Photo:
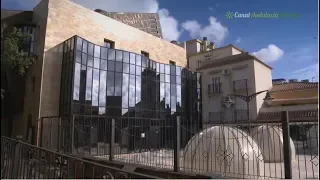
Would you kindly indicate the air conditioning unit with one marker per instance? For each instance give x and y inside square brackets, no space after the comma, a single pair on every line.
[226,72]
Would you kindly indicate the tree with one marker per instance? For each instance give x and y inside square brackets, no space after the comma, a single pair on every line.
[14,64]
[13,58]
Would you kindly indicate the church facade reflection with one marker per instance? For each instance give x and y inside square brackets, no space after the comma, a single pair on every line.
[143,96]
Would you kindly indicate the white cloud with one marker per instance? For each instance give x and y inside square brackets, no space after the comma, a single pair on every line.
[169,25]
[309,72]
[270,54]
[238,40]
[211,8]
[215,31]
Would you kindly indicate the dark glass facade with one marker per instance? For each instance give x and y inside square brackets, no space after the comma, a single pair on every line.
[143,96]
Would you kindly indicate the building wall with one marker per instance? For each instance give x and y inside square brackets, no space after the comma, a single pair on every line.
[238,71]
[193,46]
[206,57]
[147,22]
[32,98]
[263,81]
[66,19]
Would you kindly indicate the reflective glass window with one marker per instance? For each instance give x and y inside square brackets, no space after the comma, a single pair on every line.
[179,95]
[173,99]
[161,68]
[178,71]
[138,60]
[95,87]
[162,92]
[132,94]
[90,61]
[78,57]
[102,88]
[104,64]
[118,83]
[111,65]
[97,51]
[158,67]
[178,79]
[111,54]
[167,78]
[85,46]
[144,61]
[126,68]
[96,62]
[119,55]
[90,49]
[84,59]
[125,90]
[162,78]
[79,44]
[104,53]
[167,69]
[132,69]
[132,58]
[89,83]
[76,81]
[110,84]
[138,89]
[138,70]
[119,66]
[126,57]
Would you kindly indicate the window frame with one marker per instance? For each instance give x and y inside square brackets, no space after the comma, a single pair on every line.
[112,43]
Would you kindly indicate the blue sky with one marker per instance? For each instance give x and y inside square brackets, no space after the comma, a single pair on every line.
[290,44]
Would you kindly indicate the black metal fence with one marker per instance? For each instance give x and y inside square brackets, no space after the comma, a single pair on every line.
[218,149]
[20,160]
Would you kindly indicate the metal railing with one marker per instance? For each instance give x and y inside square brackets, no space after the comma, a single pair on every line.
[214,88]
[224,149]
[20,160]
[240,85]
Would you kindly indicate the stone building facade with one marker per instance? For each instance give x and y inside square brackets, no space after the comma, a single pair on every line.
[55,22]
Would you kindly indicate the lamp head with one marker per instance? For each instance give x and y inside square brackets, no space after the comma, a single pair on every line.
[268,99]
[228,102]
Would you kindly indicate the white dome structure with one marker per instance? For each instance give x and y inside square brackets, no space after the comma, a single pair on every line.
[270,141]
[312,138]
[225,150]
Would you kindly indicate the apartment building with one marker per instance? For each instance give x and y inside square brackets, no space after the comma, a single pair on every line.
[228,75]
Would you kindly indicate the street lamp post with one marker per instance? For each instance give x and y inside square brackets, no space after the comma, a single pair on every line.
[268,99]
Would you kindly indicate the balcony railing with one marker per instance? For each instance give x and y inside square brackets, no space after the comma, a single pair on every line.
[240,85]
[215,117]
[214,88]
[240,115]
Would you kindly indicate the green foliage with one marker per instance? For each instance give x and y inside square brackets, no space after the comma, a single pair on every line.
[12,56]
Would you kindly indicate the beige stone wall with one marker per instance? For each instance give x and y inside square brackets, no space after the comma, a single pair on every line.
[263,81]
[51,76]
[206,57]
[212,103]
[66,19]
[32,99]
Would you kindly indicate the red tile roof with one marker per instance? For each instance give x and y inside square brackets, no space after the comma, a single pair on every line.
[304,115]
[293,86]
